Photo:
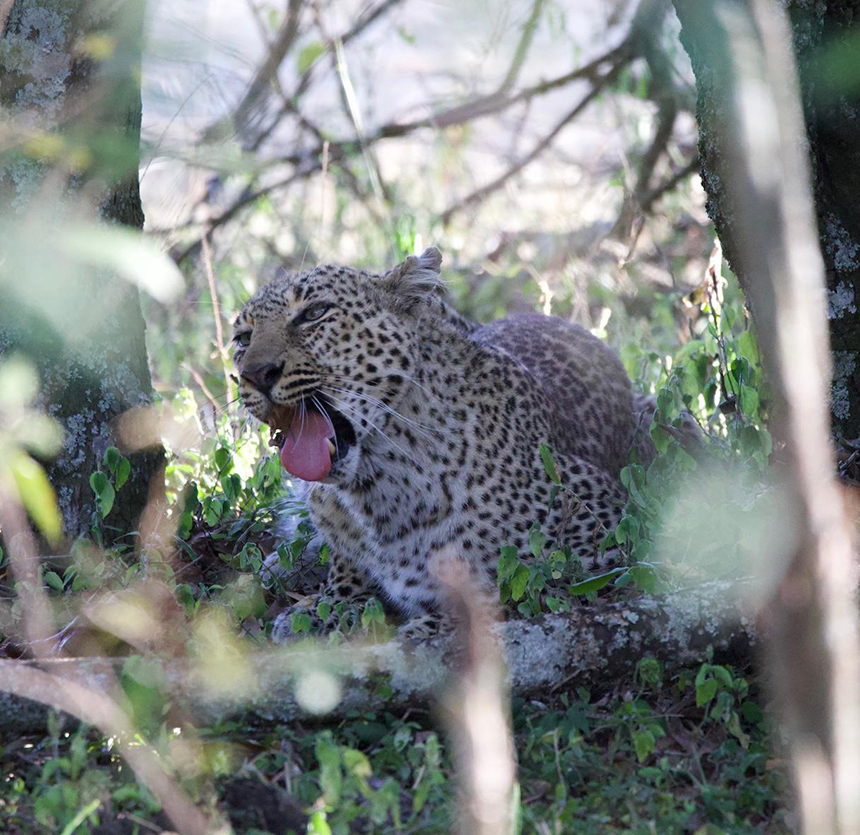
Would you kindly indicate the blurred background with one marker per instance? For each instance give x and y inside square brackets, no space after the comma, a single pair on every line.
[547,148]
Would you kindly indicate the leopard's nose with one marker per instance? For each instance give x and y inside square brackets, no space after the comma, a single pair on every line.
[263,376]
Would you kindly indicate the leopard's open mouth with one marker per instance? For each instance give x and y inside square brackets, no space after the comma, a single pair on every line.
[312,437]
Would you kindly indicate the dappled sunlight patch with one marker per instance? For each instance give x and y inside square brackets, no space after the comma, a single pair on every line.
[317,691]
[720,524]
[221,661]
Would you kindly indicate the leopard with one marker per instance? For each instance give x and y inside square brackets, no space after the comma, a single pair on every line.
[419,435]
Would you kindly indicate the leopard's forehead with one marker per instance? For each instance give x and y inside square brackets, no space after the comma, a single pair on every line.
[327,282]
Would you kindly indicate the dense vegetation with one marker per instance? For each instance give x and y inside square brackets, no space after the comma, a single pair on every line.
[693,751]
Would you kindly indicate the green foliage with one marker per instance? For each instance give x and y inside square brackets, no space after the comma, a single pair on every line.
[27,434]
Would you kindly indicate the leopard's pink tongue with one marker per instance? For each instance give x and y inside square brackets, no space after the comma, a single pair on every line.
[305,453]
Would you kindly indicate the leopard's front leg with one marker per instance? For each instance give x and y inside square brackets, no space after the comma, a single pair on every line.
[346,591]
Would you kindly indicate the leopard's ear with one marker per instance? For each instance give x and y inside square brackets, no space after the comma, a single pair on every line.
[418,279]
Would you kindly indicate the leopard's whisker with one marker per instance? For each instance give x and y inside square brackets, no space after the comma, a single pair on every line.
[419,427]
[339,404]
[325,414]
[302,413]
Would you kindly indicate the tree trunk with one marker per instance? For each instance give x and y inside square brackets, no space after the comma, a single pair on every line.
[70,93]
[826,43]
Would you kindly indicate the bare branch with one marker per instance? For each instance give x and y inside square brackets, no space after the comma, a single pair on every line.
[263,77]
[484,191]
[496,102]
[23,557]
[671,183]
[289,101]
[522,47]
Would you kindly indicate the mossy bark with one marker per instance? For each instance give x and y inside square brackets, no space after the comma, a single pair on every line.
[70,85]
[826,39]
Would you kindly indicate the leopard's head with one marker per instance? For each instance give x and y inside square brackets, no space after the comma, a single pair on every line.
[324,356]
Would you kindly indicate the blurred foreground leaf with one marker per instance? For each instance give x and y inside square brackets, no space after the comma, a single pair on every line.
[36,494]
[128,254]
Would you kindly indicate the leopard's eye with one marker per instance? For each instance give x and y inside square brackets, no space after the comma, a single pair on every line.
[312,313]
[243,339]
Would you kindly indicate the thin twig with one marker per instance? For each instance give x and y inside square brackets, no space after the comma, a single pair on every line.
[494,103]
[671,183]
[523,46]
[39,627]
[263,77]
[289,101]
[5,11]
[216,312]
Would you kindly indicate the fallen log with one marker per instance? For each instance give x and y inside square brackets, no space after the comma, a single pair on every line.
[592,645]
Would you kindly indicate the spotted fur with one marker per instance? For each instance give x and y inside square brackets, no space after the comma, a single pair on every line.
[448,417]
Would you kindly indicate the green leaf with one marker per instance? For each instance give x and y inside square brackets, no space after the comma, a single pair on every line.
[627,530]
[186,523]
[406,35]
[519,582]
[748,346]
[357,763]
[317,824]
[749,401]
[308,56]
[37,495]
[549,463]
[105,494]
[644,577]
[323,609]
[722,675]
[112,457]
[126,253]
[734,728]
[328,756]
[300,622]
[508,562]
[705,692]
[54,580]
[372,613]
[19,382]
[537,540]
[40,434]
[650,671]
[99,482]
[221,457]
[595,583]
[644,743]
[123,471]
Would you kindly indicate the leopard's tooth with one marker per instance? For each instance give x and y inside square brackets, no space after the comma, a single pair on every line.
[332,448]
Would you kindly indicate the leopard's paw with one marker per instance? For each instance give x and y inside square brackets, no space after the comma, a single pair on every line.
[423,627]
[310,616]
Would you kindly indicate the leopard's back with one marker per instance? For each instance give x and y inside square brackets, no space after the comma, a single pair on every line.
[589,392]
